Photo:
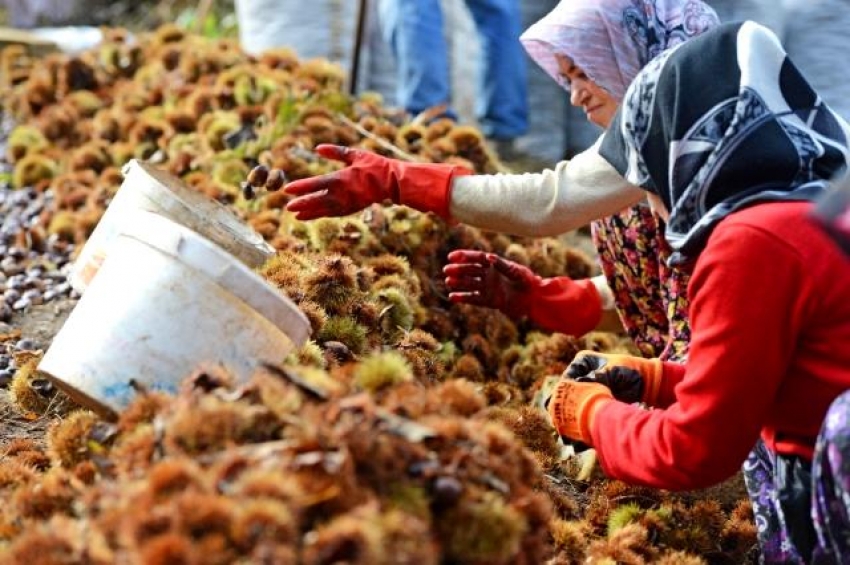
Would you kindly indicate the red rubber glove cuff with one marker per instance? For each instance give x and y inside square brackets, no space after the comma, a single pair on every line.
[653,376]
[369,178]
[561,304]
[426,187]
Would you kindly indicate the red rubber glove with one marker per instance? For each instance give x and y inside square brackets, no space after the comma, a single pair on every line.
[558,304]
[631,379]
[573,407]
[370,178]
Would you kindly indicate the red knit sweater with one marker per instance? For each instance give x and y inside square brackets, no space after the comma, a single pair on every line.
[770,350]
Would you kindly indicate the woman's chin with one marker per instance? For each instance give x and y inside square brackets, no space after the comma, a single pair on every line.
[597,117]
[594,119]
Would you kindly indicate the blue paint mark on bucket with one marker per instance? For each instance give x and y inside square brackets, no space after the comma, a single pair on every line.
[123,393]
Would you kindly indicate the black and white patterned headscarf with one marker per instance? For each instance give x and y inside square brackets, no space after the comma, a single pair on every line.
[722,122]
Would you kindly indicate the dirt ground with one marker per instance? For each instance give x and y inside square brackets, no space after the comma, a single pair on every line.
[40,323]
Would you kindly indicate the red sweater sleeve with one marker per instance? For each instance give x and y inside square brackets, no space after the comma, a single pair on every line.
[561,304]
[746,309]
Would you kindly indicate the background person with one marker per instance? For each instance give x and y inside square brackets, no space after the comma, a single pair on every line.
[593,49]
[414,30]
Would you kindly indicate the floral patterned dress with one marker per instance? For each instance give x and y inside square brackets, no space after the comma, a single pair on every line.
[650,297]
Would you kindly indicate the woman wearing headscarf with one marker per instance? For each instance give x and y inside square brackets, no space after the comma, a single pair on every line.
[593,48]
[732,145]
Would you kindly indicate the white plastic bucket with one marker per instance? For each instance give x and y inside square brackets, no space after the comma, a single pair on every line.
[147,188]
[167,301]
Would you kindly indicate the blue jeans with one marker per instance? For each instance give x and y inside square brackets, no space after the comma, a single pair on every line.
[414,30]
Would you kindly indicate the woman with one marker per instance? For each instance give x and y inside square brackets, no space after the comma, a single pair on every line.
[732,145]
[593,48]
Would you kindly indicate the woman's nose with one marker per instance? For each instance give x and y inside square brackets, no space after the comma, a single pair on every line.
[578,93]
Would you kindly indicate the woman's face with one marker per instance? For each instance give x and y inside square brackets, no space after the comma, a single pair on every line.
[598,105]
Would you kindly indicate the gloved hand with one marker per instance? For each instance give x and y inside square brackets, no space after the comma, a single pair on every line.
[573,406]
[555,304]
[631,379]
[370,178]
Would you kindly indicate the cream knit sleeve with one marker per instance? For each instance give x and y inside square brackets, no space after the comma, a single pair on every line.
[549,203]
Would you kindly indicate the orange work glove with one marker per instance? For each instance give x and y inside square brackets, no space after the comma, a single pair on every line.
[573,406]
[370,178]
[557,304]
[631,379]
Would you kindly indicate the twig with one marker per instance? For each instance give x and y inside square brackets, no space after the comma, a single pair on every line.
[358,46]
[312,390]
[403,155]
[201,14]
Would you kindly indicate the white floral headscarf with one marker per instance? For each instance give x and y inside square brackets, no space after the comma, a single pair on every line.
[611,40]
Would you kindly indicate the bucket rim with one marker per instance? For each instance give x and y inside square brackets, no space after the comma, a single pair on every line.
[205,256]
[247,240]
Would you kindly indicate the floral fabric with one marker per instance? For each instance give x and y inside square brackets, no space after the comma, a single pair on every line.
[829,492]
[831,483]
[774,533]
[651,297]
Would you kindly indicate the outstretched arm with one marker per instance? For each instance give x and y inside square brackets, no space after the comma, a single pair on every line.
[549,203]
[560,304]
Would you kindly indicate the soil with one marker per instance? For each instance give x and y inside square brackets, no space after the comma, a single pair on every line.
[39,323]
